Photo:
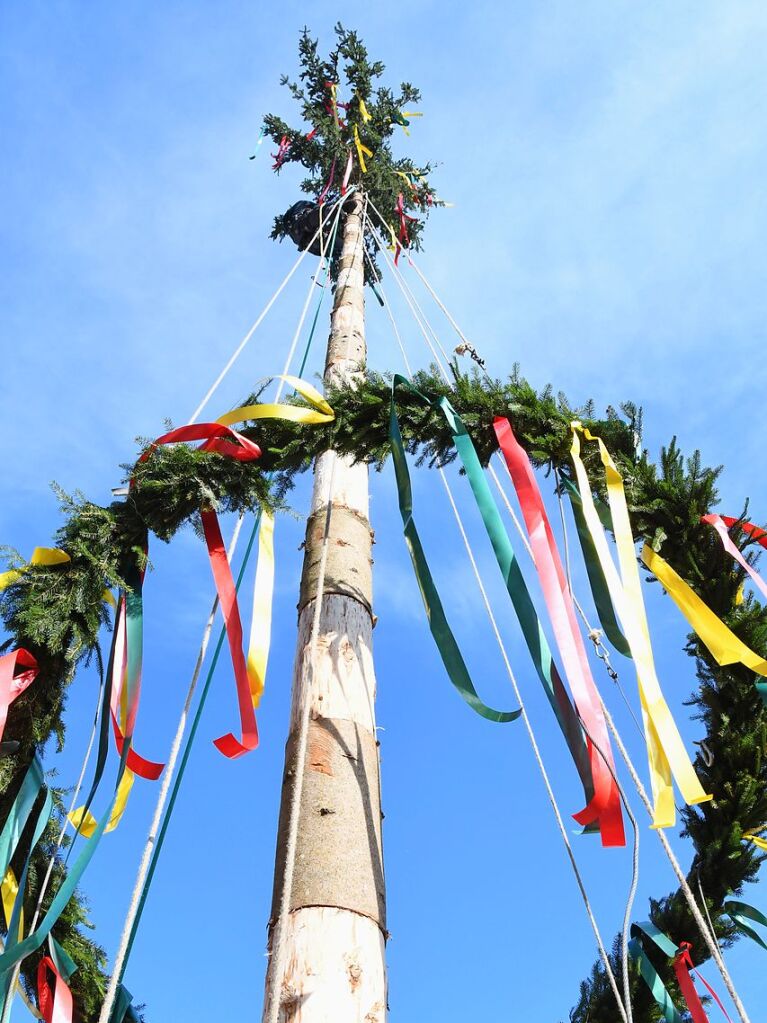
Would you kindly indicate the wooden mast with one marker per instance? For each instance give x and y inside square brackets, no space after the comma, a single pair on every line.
[332,963]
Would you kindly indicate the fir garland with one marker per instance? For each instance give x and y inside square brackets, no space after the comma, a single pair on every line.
[58,612]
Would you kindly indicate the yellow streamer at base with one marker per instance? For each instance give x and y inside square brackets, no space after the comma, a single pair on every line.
[666,753]
[721,642]
[40,556]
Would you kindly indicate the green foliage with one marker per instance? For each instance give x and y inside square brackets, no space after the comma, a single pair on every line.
[57,612]
[327,136]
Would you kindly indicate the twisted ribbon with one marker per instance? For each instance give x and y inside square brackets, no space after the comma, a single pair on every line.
[404,237]
[440,629]
[720,524]
[683,965]
[362,150]
[723,645]
[666,753]
[605,806]
[282,152]
[740,913]
[18,670]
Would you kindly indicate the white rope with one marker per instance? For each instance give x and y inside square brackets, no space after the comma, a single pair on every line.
[238,350]
[182,723]
[273,998]
[626,1016]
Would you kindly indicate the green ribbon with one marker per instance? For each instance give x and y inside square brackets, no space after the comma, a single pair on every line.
[12,939]
[438,624]
[19,814]
[739,913]
[648,972]
[33,941]
[123,1009]
[515,584]
[597,581]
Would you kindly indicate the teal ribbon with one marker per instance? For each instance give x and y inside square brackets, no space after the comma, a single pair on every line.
[597,581]
[33,941]
[517,588]
[438,624]
[12,940]
[648,972]
[122,1009]
[740,913]
[19,814]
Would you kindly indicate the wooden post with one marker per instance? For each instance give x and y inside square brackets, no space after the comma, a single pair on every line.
[333,966]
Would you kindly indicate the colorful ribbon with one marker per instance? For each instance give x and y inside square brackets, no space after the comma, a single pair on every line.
[723,645]
[282,152]
[329,183]
[559,603]
[13,682]
[347,173]
[56,1004]
[683,965]
[40,556]
[666,753]
[740,913]
[760,843]
[9,890]
[647,971]
[362,150]
[364,113]
[597,581]
[440,629]
[261,619]
[320,411]
[720,524]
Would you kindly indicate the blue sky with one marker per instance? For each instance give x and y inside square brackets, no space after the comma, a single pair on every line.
[607,165]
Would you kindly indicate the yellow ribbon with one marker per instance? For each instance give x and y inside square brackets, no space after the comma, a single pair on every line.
[760,843]
[88,823]
[364,112]
[362,150]
[261,620]
[723,645]
[666,752]
[9,890]
[40,556]
[320,412]
[263,589]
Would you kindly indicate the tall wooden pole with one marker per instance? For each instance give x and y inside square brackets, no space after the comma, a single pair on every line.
[332,962]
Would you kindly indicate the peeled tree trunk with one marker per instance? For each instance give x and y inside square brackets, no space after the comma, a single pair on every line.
[333,967]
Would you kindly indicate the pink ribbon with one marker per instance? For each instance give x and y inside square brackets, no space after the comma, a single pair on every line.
[605,805]
[12,681]
[720,524]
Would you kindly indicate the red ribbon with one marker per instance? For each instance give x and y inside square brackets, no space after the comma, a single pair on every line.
[231,444]
[748,527]
[12,681]
[55,1004]
[228,744]
[404,237]
[328,186]
[682,966]
[605,805]
[148,769]
[281,154]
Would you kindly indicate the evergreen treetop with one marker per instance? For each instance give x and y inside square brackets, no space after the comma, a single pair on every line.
[350,121]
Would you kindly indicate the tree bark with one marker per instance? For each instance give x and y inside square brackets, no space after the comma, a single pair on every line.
[334,937]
